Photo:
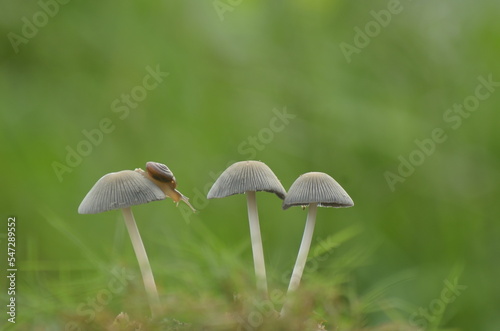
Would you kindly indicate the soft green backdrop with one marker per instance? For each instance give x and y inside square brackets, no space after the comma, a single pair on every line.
[230,69]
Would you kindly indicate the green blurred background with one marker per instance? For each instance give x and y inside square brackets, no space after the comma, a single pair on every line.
[232,66]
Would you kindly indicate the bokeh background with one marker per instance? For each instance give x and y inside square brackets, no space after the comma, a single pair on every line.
[232,67]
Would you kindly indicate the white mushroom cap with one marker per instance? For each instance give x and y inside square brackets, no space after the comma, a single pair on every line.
[317,187]
[120,190]
[246,176]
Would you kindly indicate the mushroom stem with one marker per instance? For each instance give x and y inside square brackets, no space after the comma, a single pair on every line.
[303,252]
[257,250]
[142,258]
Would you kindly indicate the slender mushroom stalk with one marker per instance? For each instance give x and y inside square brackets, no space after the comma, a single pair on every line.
[142,258]
[257,249]
[249,177]
[312,189]
[304,248]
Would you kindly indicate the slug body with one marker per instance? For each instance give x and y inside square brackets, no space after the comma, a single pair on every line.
[161,175]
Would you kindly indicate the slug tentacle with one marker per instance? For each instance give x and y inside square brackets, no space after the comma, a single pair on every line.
[185,199]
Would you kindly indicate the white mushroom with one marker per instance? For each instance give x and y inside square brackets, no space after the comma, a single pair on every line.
[249,177]
[312,189]
[121,190]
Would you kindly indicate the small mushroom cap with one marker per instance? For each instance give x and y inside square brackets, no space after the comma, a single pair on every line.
[317,187]
[120,190]
[246,176]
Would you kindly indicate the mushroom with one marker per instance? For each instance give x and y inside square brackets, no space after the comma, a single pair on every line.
[249,177]
[123,189]
[312,189]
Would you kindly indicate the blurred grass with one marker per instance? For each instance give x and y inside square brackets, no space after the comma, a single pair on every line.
[352,121]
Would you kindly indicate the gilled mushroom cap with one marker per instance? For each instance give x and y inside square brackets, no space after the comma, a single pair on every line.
[317,187]
[246,176]
[120,190]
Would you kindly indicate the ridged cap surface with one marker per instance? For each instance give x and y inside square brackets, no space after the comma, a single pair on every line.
[120,190]
[246,176]
[317,187]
